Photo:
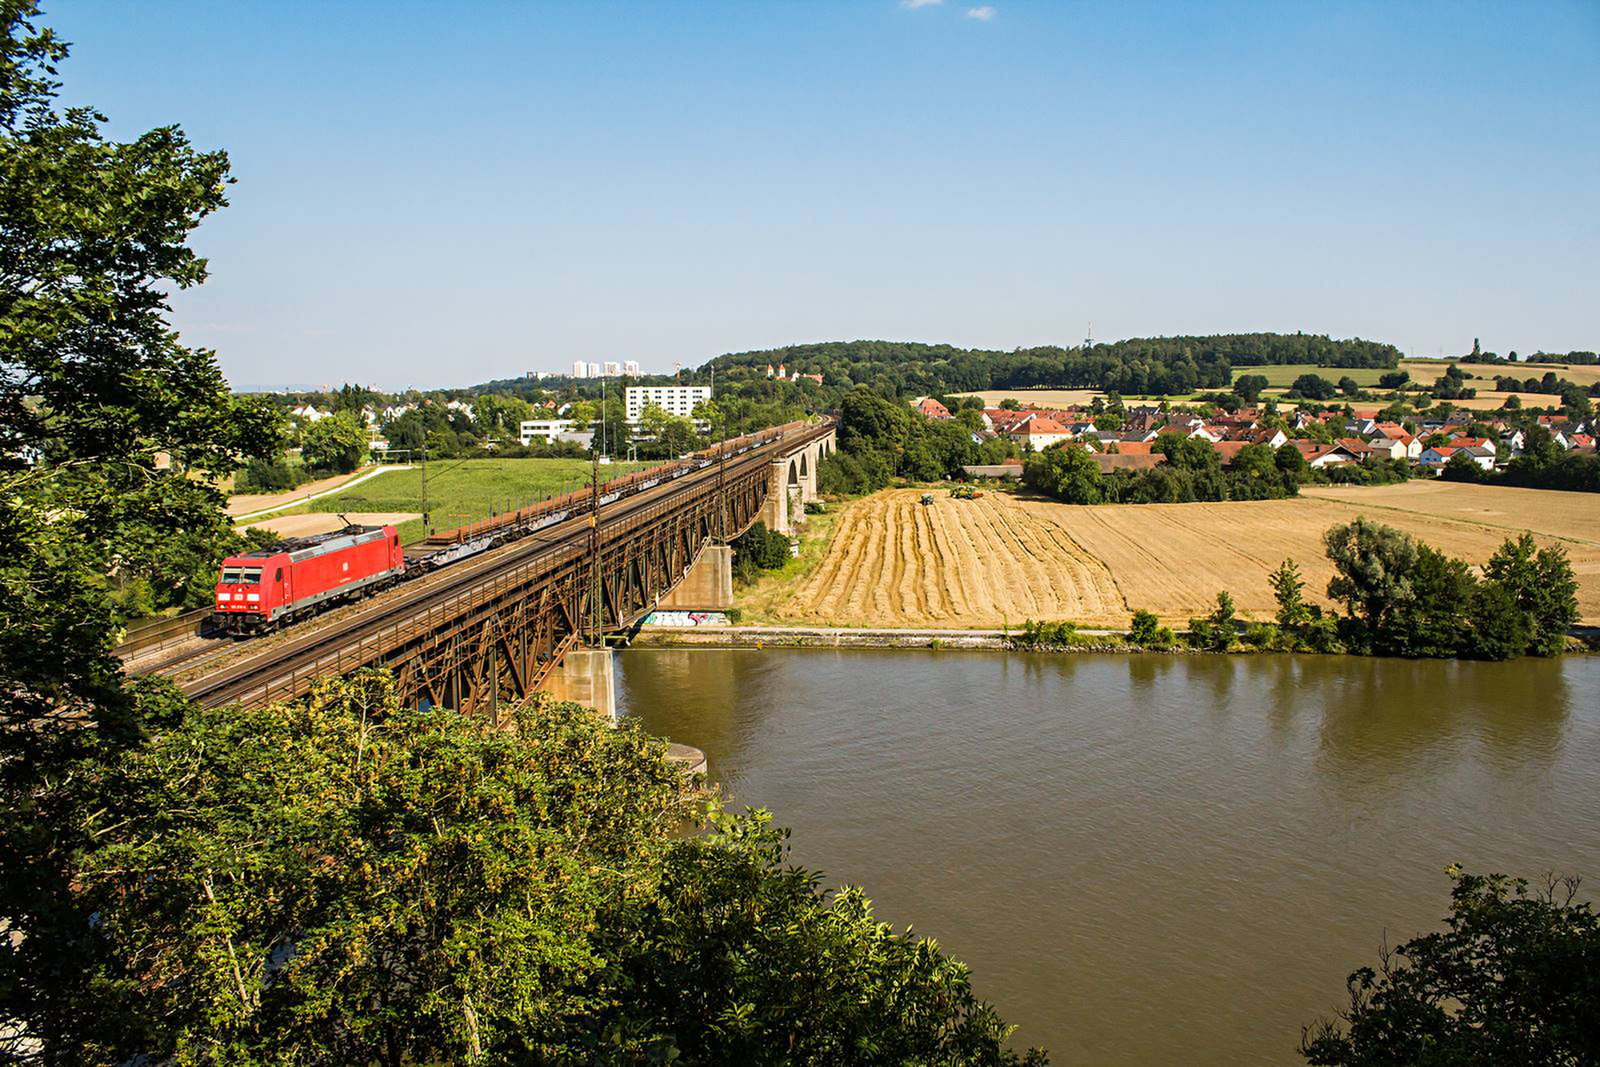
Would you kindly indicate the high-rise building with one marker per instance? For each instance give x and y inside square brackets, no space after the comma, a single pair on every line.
[580,369]
[594,371]
[630,367]
[673,399]
[613,368]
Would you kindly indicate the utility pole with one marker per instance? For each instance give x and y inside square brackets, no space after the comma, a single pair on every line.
[427,519]
[594,544]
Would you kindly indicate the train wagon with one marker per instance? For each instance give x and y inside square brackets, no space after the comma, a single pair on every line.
[259,591]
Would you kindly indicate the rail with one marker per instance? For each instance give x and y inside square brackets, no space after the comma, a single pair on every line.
[290,669]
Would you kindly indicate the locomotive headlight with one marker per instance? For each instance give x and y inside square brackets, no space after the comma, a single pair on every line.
[222,598]
[252,596]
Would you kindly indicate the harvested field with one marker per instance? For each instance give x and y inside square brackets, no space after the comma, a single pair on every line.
[1490,400]
[1426,370]
[954,563]
[1042,398]
[1006,558]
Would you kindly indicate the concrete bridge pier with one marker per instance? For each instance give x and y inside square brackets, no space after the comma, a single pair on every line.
[776,512]
[586,676]
[708,586]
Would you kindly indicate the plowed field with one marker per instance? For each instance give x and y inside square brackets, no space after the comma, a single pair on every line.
[977,563]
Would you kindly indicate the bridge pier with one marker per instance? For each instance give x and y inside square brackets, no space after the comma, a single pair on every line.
[586,676]
[709,584]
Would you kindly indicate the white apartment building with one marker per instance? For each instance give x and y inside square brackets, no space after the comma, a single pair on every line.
[677,400]
[580,369]
[549,429]
[594,370]
[612,369]
[630,367]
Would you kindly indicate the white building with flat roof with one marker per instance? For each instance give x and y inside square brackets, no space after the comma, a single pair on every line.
[613,369]
[630,367]
[580,369]
[549,429]
[677,400]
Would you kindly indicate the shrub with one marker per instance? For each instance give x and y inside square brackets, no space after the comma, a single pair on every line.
[1261,635]
[1144,628]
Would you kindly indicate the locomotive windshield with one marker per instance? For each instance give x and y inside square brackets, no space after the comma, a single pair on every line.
[251,576]
[241,576]
[230,576]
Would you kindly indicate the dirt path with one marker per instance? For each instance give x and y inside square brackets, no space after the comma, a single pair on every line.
[254,505]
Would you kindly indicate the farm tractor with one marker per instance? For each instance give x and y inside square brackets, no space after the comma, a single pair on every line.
[965,492]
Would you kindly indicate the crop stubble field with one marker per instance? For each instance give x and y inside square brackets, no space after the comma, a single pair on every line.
[1005,558]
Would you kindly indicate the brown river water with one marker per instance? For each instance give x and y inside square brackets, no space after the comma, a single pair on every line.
[1148,859]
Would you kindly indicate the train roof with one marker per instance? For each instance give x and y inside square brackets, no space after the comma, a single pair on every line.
[300,548]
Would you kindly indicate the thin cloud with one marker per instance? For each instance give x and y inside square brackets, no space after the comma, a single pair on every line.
[982,14]
[914,4]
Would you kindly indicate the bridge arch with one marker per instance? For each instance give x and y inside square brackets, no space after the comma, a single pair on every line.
[803,469]
[794,473]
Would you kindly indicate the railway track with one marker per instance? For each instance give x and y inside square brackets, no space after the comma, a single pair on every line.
[312,649]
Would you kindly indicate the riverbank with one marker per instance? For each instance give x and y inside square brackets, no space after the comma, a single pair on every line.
[1086,640]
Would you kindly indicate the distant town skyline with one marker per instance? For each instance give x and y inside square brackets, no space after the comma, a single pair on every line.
[435,201]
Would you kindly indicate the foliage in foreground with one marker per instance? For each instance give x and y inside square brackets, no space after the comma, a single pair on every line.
[1513,978]
[347,880]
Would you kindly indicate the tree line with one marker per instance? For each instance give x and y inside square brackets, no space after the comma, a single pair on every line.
[1137,366]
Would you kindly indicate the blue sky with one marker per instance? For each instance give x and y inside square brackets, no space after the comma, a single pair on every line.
[437,194]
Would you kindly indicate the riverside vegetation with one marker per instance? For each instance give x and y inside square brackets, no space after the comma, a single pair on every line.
[1402,598]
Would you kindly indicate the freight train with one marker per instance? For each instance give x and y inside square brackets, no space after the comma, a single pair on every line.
[263,590]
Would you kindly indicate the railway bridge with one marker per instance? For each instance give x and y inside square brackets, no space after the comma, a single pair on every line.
[529,614]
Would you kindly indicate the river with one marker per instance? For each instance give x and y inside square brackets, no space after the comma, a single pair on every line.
[1148,859]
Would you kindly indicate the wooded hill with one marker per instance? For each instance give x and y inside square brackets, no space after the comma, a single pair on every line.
[1171,365]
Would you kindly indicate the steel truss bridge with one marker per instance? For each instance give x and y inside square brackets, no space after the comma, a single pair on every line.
[494,627]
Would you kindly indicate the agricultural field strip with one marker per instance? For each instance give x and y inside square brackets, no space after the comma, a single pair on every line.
[894,562]
[895,559]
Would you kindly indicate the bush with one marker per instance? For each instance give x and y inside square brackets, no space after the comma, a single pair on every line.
[759,549]
[262,476]
[1144,628]
[1321,634]
[1045,635]
[1261,635]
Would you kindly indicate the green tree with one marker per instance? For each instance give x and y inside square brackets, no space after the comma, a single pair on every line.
[1373,565]
[1500,627]
[1288,589]
[1509,980]
[336,443]
[1248,387]
[1541,584]
[112,434]
[419,886]
[1431,621]
[1313,387]
[1292,463]
[1066,472]
[1143,628]
[1349,386]
[499,416]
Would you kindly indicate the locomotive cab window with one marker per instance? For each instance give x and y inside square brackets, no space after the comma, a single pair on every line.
[230,576]
[252,576]
[279,576]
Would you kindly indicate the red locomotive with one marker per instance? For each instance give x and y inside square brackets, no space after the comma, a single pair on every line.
[258,591]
